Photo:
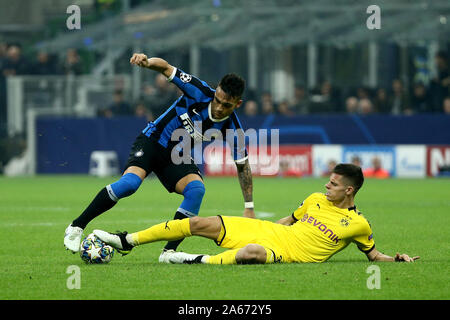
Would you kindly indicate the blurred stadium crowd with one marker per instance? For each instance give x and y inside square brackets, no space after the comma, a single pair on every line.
[327,98]
[398,93]
[332,98]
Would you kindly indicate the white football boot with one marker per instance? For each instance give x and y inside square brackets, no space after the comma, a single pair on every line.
[72,238]
[164,256]
[187,258]
[116,240]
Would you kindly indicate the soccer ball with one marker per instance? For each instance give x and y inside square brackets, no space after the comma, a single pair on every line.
[94,250]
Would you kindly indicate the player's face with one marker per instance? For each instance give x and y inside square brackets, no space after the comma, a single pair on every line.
[223,105]
[337,188]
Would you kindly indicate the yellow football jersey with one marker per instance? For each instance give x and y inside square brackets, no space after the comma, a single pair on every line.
[322,229]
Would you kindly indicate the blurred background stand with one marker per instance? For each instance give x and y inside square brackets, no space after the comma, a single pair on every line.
[104,163]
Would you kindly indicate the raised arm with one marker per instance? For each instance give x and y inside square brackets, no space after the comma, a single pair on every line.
[246,182]
[375,255]
[156,64]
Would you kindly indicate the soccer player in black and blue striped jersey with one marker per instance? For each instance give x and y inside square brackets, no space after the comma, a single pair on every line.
[198,110]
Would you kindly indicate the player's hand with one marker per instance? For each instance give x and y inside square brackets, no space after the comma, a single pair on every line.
[249,213]
[140,60]
[405,258]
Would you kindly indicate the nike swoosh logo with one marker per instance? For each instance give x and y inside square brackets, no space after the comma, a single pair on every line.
[194,111]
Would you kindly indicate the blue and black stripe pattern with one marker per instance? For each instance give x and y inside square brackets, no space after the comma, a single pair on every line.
[191,111]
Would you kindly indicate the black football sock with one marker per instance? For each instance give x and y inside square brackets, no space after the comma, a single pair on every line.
[101,203]
[173,245]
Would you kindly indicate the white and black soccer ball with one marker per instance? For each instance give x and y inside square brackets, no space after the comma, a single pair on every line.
[95,251]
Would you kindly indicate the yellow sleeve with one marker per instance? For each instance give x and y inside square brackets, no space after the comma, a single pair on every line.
[301,210]
[364,237]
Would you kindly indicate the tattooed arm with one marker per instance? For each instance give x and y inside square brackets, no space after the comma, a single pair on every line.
[245,180]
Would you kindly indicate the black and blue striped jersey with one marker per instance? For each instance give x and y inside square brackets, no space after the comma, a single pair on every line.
[192,112]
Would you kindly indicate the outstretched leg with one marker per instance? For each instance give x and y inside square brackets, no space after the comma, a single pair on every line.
[104,201]
[250,254]
[208,227]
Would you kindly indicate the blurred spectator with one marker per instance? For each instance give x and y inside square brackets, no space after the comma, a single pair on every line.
[72,63]
[250,94]
[267,105]
[44,64]
[148,90]
[442,63]
[351,105]
[11,147]
[107,8]
[285,109]
[440,85]
[419,99]
[365,106]
[330,166]
[362,93]
[399,100]
[376,171]
[3,50]
[251,108]
[356,160]
[381,102]
[141,111]
[324,100]
[288,169]
[118,108]
[300,104]
[14,64]
[446,105]
[160,96]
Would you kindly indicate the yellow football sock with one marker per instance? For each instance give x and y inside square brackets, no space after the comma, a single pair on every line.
[227,257]
[270,256]
[166,231]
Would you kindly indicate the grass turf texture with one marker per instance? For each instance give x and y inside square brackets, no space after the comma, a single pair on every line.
[407,216]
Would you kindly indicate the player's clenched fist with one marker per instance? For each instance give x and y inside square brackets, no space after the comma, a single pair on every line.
[139,59]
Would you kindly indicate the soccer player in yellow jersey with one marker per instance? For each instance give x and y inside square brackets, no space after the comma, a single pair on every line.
[321,226]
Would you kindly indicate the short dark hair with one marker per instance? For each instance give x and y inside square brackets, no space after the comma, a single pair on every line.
[352,173]
[233,85]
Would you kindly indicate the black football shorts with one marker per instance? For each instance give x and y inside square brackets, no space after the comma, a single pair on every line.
[148,154]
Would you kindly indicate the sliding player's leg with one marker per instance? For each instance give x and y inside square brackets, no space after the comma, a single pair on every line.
[249,240]
[250,254]
[208,227]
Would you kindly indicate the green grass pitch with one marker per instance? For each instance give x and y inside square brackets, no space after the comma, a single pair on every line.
[407,216]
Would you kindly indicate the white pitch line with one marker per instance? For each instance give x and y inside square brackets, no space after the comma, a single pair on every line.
[262,214]
[65,223]
[259,214]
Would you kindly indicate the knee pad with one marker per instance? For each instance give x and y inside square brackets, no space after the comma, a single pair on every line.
[193,195]
[126,186]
